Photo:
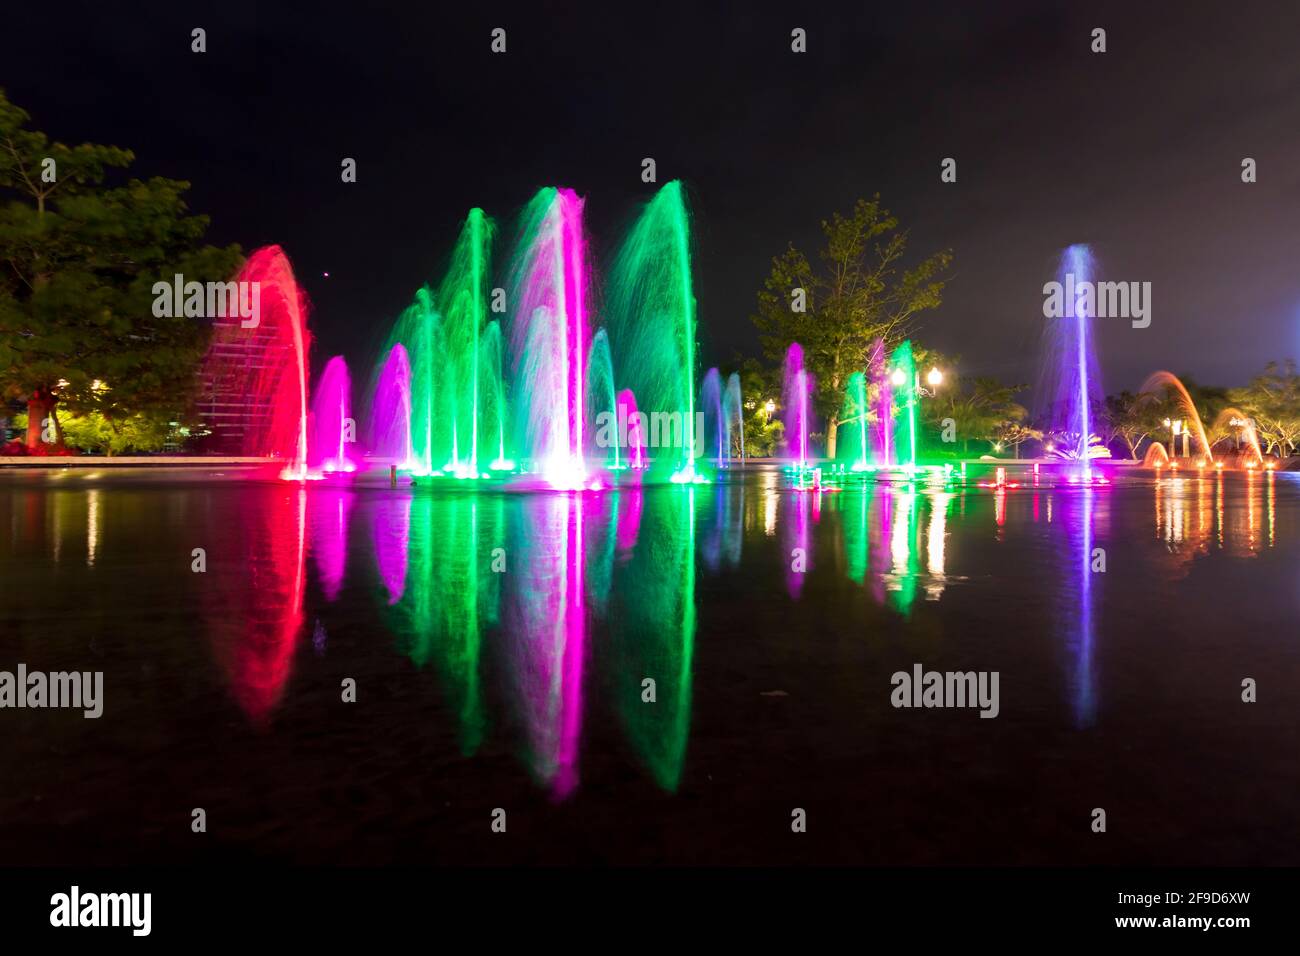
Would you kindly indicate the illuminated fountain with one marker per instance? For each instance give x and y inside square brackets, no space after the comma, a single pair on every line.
[733,416]
[332,427]
[451,393]
[1161,384]
[796,401]
[1229,423]
[265,363]
[390,409]
[903,384]
[635,434]
[549,338]
[1070,384]
[650,304]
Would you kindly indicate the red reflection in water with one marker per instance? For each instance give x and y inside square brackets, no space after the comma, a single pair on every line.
[255,607]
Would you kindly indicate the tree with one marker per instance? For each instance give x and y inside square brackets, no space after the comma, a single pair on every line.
[982,409]
[763,426]
[1131,418]
[857,293]
[79,260]
[1273,401]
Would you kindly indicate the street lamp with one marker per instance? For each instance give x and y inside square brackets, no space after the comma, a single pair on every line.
[935,378]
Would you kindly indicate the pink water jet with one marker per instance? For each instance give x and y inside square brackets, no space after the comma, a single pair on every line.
[333,430]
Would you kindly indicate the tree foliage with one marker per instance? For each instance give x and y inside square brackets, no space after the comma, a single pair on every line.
[78,260]
[858,290]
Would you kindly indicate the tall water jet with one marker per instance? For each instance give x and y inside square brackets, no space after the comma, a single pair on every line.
[903,385]
[264,365]
[651,317]
[796,399]
[882,432]
[462,303]
[331,418]
[1070,383]
[549,336]
[390,409]
[601,401]
[733,413]
[627,412]
[492,396]
[715,425]
[854,447]
[418,332]
[445,335]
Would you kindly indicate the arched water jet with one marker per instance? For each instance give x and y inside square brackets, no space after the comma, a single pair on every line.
[651,310]
[1171,384]
[548,339]
[390,409]
[265,365]
[331,418]
[601,403]
[733,413]
[1233,421]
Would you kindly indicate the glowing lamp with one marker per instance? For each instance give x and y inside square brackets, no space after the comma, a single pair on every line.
[770,407]
[935,377]
[1218,464]
[897,378]
[1270,465]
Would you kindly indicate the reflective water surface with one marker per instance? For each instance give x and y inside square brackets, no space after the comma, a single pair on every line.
[657,675]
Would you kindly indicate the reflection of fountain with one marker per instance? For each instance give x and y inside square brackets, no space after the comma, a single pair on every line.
[546,619]
[652,630]
[327,513]
[1079,638]
[255,608]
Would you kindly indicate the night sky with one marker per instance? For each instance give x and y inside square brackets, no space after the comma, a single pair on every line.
[1137,151]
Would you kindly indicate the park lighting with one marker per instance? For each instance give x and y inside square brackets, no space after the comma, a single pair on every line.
[769,407]
[934,378]
[898,378]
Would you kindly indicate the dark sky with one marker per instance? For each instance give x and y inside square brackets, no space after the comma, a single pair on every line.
[1136,151]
